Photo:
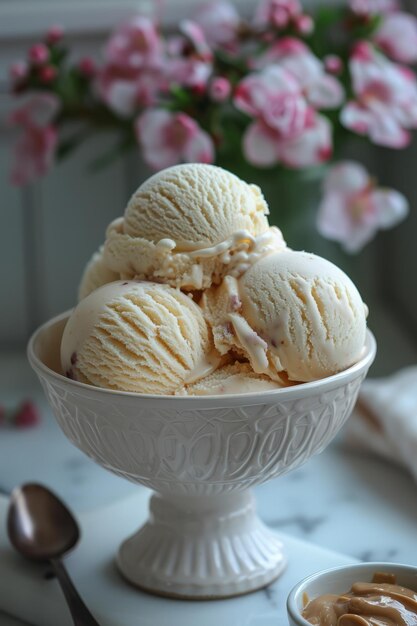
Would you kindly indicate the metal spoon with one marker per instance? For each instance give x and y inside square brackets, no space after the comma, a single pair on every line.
[41,528]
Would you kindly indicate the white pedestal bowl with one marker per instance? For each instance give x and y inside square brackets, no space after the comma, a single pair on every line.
[201,455]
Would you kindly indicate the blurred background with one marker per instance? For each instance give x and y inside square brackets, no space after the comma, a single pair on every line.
[49,228]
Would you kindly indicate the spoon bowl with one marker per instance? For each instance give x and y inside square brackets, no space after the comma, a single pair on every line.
[39,524]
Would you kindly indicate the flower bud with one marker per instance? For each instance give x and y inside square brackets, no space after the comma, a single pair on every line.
[54,34]
[87,67]
[304,24]
[220,89]
[47,74]
[38,54]
[333,64]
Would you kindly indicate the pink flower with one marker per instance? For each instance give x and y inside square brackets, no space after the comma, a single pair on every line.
[133,74]
[35,147]
[353,209]
[286,128]
[220,89]
[277,13]
[170,138]
[38,54]
[125,92]
[321,90]
[371,7]
[220,22]
[275,97]
[263,146]
[136,44]
[386,98]
[397,36]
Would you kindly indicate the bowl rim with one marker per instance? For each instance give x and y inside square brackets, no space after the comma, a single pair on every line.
[302,585]
[301,390]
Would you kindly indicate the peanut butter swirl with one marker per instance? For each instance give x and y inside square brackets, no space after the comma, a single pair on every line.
[378,603]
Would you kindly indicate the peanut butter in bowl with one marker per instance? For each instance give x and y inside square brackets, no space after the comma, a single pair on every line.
[378,603]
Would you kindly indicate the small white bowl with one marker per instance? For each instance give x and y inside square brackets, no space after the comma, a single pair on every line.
[340,579]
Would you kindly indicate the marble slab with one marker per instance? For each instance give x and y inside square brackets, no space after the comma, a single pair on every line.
[26,593]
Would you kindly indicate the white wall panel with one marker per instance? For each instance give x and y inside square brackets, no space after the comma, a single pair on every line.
[77,205]
[13,305]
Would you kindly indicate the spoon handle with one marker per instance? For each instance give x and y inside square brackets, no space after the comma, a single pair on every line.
[80,614]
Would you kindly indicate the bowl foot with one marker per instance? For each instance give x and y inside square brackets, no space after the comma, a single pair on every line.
[202,547]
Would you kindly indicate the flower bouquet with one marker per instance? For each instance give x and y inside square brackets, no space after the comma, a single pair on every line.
[272,96]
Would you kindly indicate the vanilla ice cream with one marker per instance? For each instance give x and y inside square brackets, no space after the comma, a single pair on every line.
[188,226]
[137,336]
[293,315]
[234,378]
[95,275]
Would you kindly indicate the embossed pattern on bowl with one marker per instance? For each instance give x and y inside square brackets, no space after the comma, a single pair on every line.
[196,445]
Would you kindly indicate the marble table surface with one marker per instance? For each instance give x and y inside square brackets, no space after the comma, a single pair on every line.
[341,500]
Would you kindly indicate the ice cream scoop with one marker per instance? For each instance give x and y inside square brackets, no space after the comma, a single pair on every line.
[95,275]
[293,315]
[137,336]
[196,205]
[188,226]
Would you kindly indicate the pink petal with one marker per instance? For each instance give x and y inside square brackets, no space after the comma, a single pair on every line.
[356,118]
[151,127]
[245,95]
[195,34]
[333,221]
[384,130]
[397,36]
[392,207]
[311,147]
[346,178]
[163,157]
[286,113]
[220,22]
[255,92]
[303,65]
[370,7]
[260,145]
[325,93]
[199,149]
[380,124]
[121,97]
[359,237]
[33,154]
[152,133]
